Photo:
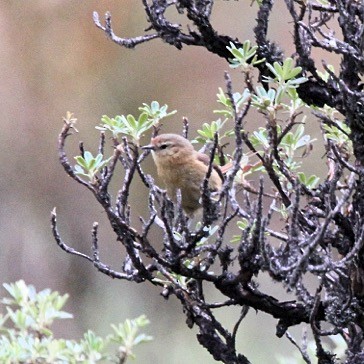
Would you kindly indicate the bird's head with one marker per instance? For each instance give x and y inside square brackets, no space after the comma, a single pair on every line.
[169,145]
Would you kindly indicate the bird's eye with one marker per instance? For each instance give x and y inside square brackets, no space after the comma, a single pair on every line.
[163,146]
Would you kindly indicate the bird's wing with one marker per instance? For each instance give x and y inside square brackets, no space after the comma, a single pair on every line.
[206,160]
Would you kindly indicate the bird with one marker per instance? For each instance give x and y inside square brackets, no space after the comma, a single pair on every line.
[181,167]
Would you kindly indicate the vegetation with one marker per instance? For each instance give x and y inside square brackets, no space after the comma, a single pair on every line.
[27,338]
[293,225]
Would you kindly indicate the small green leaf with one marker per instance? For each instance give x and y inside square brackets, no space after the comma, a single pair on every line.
[88,157]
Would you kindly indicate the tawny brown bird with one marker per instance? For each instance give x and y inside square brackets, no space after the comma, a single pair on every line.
[181,167]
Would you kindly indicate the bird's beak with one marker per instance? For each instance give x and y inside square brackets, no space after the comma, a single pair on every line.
[148,147]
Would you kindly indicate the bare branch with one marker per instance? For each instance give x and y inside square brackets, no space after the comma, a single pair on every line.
[125,42]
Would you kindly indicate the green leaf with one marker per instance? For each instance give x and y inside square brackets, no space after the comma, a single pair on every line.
[89,166]
[244,57]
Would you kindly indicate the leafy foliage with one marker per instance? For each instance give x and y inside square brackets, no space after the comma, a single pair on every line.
[88,165]
[135,127]
[244,57]
[27,336]
[239,99]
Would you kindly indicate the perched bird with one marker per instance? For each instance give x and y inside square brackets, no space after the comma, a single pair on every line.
[182,168]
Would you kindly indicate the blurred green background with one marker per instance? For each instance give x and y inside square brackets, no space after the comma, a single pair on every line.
[54,60]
